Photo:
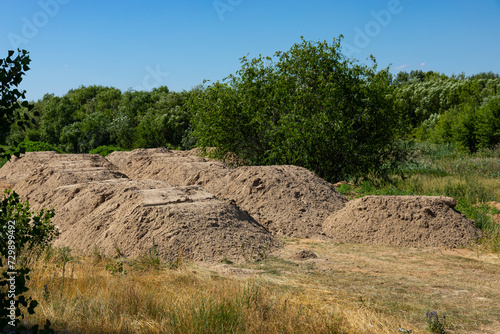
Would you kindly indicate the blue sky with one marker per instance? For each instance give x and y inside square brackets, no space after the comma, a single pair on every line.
[145,44]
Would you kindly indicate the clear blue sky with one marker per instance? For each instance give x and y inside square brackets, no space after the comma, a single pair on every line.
[145,44]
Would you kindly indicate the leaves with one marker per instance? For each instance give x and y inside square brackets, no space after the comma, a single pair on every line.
[309,106]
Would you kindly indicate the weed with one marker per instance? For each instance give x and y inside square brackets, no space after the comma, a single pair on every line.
[150,260]
[173,261]
[116,268]
[434,323]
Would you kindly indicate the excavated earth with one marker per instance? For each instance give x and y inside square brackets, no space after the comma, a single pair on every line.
[288,200]
[97,206]
[178,203]
[408,221]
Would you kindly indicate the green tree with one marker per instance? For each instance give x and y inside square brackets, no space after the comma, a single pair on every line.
[12,70]
[487,130]
[310,106]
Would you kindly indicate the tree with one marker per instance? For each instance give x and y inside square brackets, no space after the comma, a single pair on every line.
[310,106]
[12,70]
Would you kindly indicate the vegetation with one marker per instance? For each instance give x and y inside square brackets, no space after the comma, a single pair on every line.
[22,233]
[417,133]
[353,289]
[91,117]
[310,106]
[12,108]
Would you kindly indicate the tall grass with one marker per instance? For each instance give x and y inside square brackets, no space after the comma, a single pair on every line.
[187,300]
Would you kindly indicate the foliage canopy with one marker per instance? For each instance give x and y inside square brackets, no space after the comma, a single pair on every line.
[310,106]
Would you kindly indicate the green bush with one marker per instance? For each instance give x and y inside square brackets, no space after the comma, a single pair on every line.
[37,146]
[21,230]
[105,150]
[310,106]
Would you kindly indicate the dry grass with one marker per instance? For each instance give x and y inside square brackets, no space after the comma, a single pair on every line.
[347,289]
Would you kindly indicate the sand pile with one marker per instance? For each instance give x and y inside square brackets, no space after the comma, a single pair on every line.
[288,200]
[98,206]
[181,203]
[407,221]
[37,175]
[19,168]
[176,167]
[137,215]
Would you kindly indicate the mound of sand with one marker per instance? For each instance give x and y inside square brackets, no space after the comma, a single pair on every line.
[181,203]
[137,215]
[407,221]
[98,206]
[176,167]
[19,168]
[37,175]
[288,200]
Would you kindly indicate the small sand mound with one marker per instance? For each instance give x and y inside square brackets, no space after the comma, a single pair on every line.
[407,221]
[288,200]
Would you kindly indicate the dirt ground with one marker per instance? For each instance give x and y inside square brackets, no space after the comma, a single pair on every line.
[460,283]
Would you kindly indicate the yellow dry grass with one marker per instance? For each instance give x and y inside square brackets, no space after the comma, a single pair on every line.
[347,289]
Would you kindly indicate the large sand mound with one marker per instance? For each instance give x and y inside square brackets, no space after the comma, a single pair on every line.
[135,215]
[408,221]
[98,206]
[289,200]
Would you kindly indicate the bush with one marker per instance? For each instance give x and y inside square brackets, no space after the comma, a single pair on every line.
[105,150]
[311,106]
[37,146]
[20,230]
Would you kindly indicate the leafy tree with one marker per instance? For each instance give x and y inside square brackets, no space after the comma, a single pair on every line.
[487,130]
[91,132]
[59,112]
[130,110]
[12,70]
[310,106]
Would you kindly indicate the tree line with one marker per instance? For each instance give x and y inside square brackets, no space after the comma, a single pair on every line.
[309,106]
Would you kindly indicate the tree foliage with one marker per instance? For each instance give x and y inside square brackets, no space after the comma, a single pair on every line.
[94,116]
[12,70]
[310,106]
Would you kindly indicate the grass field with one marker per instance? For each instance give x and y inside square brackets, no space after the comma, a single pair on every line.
[347,289]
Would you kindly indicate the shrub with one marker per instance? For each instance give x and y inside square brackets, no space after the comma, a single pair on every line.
[37,146]
[20,230]
[105,150]
[310,106]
